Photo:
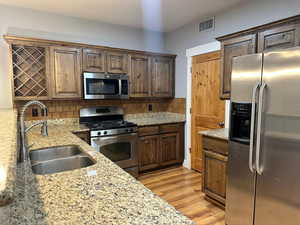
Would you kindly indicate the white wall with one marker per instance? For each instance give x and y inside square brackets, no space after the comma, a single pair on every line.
[25,22]
[246,15]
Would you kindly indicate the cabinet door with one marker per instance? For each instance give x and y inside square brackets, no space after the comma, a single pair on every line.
[232,48]
[140,76]
[163,77]
[169,149]
[66,70]
[117,63]
[93,60]
[214,182]
[286,36]
[148,152]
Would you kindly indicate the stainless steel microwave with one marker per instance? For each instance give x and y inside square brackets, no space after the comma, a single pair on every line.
[105,86]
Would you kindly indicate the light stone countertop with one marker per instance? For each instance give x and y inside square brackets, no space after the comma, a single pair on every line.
[107,196]
[222,133]
[8,155]
[146,119]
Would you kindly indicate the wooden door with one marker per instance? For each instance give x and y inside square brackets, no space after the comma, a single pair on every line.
[93,60]
[285,36]
[214,184]
[66,72]
[207,108]
[148,152]
[117,62]
[231,48]
[169,149]
[163,77]
[140,76]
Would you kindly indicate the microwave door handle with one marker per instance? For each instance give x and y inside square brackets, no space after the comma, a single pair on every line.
[259,121]
[253,111]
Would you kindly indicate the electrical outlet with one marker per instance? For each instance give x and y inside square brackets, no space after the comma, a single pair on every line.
[34,112]
[150,107]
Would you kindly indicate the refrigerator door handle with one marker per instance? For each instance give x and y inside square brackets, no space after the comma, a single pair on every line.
[259,120]
[253,111]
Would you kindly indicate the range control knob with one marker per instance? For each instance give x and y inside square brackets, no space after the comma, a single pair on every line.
[105,132]
[99,133]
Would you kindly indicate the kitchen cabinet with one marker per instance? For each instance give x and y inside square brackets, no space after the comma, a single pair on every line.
[117,62]
[272,36]
[148,148]
[215,156]
[286,36]
[163,77]
[160,146]
[66,72]
[93,60]
[46,69]
[231,48]
[140,76]
[30,71]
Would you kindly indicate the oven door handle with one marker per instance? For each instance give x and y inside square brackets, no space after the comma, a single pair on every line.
[131,135]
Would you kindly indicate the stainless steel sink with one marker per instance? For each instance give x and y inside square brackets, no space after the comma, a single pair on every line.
[58,159]
[62,164]
[49,153]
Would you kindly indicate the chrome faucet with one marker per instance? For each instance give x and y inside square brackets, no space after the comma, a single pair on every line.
[24,130]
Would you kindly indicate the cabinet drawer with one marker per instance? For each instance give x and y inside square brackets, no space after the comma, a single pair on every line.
[215,145]
[150,130]
[169,128]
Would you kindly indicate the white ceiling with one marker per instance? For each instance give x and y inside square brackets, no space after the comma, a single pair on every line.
[157,15]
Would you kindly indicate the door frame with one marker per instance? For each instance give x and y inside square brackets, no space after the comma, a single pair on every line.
[198,50]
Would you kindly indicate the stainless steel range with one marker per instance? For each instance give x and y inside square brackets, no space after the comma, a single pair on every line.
[112,136]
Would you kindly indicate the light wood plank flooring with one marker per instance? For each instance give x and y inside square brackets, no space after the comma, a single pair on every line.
[181,188]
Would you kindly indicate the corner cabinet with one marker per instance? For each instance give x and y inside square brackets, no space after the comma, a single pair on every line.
[273,36]
[163,77]
[215,156]
[66,72]
[160,146]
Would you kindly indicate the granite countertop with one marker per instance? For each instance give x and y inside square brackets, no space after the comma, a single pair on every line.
[222,133]
[100,194]
[8,158]
[146,119]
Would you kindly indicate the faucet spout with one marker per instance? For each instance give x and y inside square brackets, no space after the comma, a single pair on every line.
[44,130]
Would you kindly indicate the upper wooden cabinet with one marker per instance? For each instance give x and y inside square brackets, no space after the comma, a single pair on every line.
[30,71]
[286,36]
[66,72]
[273,36]
[94,60]
[163,77]
[232,48]
[140,76]
[47,69]
[117,62]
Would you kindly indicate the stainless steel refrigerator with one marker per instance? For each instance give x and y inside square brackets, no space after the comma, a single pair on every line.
[263,174]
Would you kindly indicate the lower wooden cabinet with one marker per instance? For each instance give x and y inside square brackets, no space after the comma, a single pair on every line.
[215,153]
[148,152]
[160,146]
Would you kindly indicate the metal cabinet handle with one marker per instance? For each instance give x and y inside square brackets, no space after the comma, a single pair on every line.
[259,119]
[253,110]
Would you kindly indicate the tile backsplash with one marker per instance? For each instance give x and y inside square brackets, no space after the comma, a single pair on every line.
[70,108]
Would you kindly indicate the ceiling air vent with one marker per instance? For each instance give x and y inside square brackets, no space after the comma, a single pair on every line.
[206,25]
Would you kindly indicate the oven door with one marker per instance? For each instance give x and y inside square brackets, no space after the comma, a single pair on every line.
[103,86]
[121,149]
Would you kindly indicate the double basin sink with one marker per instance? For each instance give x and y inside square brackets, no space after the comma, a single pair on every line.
[58,159]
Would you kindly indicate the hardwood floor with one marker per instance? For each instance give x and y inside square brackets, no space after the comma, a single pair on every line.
[181,188]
